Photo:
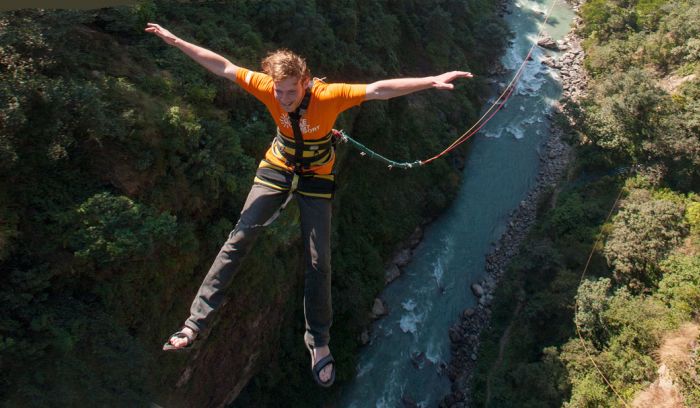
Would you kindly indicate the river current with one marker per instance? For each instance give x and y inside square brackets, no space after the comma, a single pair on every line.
[409,346]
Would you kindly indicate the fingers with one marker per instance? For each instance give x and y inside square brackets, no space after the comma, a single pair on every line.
[459,74]
[448,77]
[153,28]
[161,32]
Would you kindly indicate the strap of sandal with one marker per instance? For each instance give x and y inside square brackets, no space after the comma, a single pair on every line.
[322,363]
[182,335]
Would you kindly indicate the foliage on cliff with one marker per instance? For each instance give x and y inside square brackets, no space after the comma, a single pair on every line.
[641,116]
[123,165]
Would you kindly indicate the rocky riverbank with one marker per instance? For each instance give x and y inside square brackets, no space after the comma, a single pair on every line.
[399,260]
[464,334]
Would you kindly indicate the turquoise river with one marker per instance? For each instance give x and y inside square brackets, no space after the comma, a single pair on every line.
[433,290]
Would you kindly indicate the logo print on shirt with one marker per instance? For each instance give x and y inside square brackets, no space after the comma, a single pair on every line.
[285,121]
[303,124]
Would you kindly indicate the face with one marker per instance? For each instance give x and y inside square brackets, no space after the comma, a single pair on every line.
[289,92]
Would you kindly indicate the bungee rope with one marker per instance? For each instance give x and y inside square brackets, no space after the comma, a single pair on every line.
[365,151]
[490,112]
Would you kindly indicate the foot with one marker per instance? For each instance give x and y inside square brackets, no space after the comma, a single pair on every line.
[318,354]
[181,342]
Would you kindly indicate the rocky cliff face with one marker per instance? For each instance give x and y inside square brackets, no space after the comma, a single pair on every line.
[235,348]
[108,131]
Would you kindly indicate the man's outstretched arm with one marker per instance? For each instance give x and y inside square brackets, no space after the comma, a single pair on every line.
[391,88]
[210,60]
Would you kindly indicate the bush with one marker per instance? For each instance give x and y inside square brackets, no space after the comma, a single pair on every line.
[644,232]
[110,230]
[680,286]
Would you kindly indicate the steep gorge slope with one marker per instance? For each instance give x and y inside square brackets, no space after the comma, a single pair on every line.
[124,165]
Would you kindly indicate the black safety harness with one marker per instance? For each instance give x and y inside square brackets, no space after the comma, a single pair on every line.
[300,155]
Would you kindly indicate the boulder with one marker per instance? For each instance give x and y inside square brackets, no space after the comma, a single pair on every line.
[468,312]
[391,273]
[403,257]
[364,337]
[548,43]
[378,309]
[549,61]
[477,290]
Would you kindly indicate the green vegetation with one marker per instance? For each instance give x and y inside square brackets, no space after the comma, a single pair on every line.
[123,165]
[643,281]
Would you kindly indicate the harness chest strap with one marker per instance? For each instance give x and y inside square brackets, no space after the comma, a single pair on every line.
[314,153]
[295,117]
[299,153]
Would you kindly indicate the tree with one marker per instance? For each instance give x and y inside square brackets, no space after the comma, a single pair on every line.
[644,231]
[591,303]
[623,114]
[680,286]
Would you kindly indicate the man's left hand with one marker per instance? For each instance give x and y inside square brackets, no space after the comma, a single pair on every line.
[444,81]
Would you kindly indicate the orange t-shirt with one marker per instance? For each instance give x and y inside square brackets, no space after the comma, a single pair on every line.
[327,102]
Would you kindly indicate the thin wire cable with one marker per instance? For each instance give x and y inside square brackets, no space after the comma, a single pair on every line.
[504,95]
[578,329]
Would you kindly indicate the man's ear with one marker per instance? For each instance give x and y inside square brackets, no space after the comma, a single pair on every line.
[305,82]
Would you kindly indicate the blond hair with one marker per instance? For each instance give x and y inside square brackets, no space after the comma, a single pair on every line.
[283,64]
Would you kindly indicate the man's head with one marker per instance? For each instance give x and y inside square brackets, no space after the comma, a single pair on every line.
[290,75]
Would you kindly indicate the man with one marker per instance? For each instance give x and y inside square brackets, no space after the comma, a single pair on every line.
[299,162]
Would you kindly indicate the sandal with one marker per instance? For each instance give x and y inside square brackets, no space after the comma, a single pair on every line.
[168,346]
[319,366]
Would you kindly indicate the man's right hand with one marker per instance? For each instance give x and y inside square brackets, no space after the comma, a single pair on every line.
[212,61]
[161,32]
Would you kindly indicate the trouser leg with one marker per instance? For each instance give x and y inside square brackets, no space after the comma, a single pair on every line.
[316,236]
[260,206]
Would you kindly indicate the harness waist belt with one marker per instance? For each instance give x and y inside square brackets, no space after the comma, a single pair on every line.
[312,185]
[313,152]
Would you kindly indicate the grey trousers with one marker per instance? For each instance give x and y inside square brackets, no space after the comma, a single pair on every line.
[261,207]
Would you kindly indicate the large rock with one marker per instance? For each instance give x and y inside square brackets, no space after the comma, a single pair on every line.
[403,257]
[550,62]
[364,337]
[548,43]
[391,273]
[477,290]
[378,309]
